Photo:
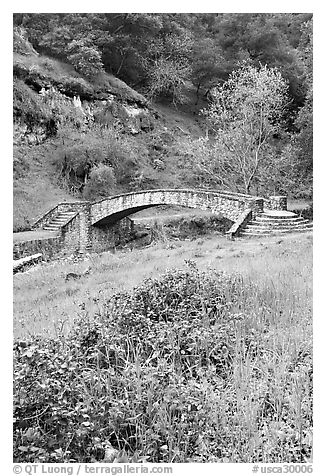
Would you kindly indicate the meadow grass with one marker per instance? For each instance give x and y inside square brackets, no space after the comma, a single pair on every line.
[211,362]
[282,267]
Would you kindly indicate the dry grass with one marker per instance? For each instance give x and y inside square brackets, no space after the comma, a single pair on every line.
[282,267]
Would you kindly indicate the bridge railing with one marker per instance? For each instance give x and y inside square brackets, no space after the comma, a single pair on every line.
[60,207]
[223,193]
[45,218]
[240,223]
[229,204]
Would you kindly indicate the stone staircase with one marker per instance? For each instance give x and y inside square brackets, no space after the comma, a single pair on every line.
[272,222]
[59,220]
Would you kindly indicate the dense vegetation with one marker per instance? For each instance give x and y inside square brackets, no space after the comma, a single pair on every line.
[159,52]
[188,367]
[121,65]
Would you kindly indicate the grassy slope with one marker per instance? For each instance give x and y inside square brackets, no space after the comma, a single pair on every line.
[42,297]
[37,190]
[264,408]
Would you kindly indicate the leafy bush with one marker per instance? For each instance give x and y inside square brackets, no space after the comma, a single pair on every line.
[21,44]
[101,182]
[49,110]
[28,106]
[167,372]
[85,58]
[76,87]
[81,152]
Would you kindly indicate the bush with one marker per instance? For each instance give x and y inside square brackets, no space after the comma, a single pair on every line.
[28,106]
[167,372]
[86,59]
[101,182]
[81,152]
[21,44]
[48,110]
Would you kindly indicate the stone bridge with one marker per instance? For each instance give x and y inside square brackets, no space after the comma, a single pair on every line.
[81,226]
[229,205]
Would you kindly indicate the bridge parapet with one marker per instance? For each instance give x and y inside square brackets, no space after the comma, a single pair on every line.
[227,204]
[60,207]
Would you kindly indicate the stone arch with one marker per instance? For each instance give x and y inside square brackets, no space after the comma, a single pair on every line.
[229,205]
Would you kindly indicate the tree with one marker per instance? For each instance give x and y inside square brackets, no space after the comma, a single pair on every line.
[245,115]
[209,65]
[264,38]
[101,183]
[304,121]
[85,59]
[168,66]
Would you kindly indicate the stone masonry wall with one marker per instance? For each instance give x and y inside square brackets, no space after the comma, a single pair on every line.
[61,207]
[277,202]
[70,236]
[49,248]
[228,204]
[65,243]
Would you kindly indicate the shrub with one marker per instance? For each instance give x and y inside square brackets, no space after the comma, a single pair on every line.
[28,106]
[101,182]
[48,110]
[81,152]
[85,58]
[21,44]
[76,87]
[167,372]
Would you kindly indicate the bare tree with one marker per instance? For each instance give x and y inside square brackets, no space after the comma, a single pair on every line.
[245,114]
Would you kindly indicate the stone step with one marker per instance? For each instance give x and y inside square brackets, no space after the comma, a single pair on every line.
[279,226]
[278,214]
[63,218]
[58,221]
[51,226]
[274,232]
[279,223]
[67,214]
[263,217]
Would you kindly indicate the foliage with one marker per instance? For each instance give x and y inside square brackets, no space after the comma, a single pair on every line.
[125,43]
[304,139]
[51,109]
[168,66]
[86,59]
[304,120]
[28,106]
[245,114]
[209,64]
[21,44]
[268,39]
[169,372]
[163,56]
[101,182]
[167,78]
[80,152]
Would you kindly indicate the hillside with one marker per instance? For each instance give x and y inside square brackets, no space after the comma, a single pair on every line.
[150,130]
[105,104]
